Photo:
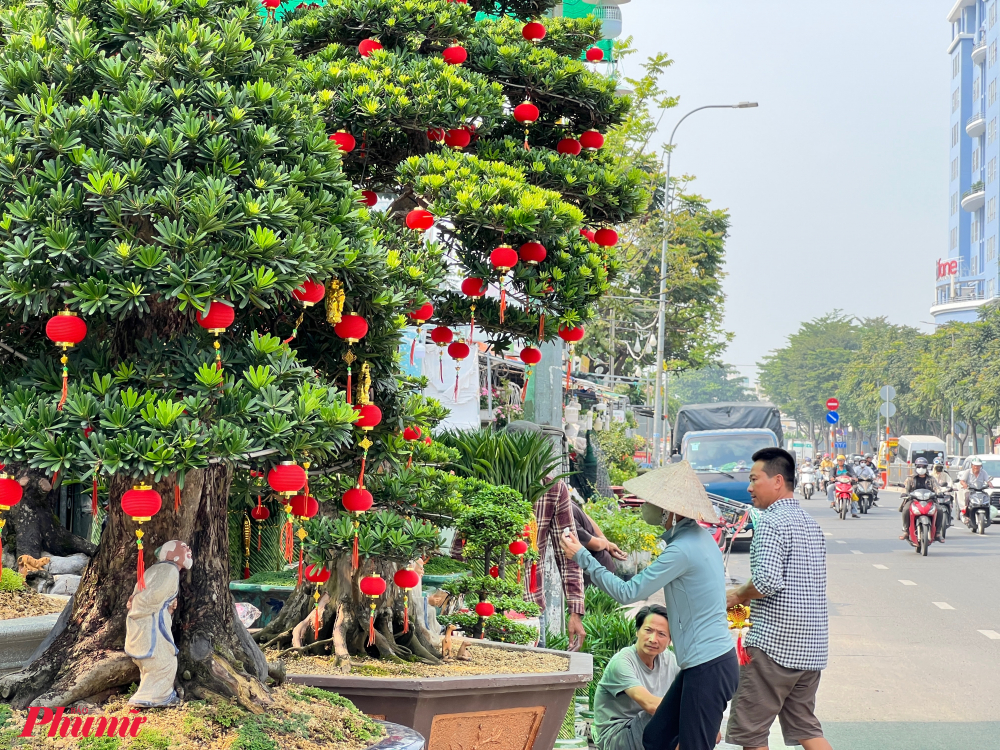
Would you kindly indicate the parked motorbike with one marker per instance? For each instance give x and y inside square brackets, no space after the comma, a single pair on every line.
[946,501]
[843,492]
[923,519]
[977,511]
[807,483]
[866,494]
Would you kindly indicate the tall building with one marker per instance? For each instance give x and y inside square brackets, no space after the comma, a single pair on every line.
[966,277]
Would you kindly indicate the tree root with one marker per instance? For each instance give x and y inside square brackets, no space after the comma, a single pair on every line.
[341,656]
[304,649]
[309,621]
[114,671]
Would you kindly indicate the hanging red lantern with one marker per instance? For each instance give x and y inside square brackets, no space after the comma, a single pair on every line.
[357,500]
[368,46]
[11,492]
[495,571]
[344,140]
[474,288]
[66,330]
[458,138]
[141,503]
[455,55]
[503,259]
[485,609]
[287,478]
[606,237]
[352,328]
[419,316]
[368,417]
[317,574]
[406,579]
[533,31]
[419,220]
[369,198]
[526,112]
[532,253]
[591,140]
[587,234]
[412,433]
[309,293]
[441,336]
[530,355]
[518,547]
[427,440]
[570,336]
[304,506]
[271,4]
[217,318]
[259,514]
[373,587]
[458,351]
[436,135]
[595,54]
[569,146]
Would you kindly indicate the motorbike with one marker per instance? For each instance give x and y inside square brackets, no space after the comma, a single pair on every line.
[807,483]
[866,494]
[843,492]
[946,500]
[977,511]
[923,519]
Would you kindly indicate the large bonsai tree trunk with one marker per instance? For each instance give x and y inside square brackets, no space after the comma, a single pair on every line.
[217,656]
[32,526]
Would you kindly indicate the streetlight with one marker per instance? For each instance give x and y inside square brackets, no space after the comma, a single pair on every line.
[668,201]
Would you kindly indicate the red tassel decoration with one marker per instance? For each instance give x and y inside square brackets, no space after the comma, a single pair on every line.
[503,301]
[65,383]
[409,463]
[524,388]
[177,498]
[741,653]
[93,499]
[413,346]
[533,584]
[349,386]
[569,367]
[246,570]
[316,626]
[289,546]
[472,324]
[140,568]
[371,626]
[354,553]
[361,476]
[441,366]
[541,327]
[520,567]
[406,614]
[300,563]
[1,546]
[258,537]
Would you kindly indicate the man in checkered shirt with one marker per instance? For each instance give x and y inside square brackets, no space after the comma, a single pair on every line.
[788,642]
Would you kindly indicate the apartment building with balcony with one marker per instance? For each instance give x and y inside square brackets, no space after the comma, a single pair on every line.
[967,274]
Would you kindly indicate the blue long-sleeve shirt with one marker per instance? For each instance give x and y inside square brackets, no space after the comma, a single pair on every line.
[691,573]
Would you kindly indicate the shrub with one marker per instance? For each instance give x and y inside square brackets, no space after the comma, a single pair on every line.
[11,580]
[625,528]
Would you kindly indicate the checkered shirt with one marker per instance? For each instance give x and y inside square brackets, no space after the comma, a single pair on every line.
[788,566]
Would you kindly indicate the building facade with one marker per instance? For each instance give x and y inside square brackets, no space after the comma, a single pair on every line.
[966,276]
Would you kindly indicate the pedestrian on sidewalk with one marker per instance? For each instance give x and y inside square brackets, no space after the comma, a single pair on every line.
[788,641]
[690,572]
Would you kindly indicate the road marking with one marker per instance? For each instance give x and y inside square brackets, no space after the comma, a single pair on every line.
[841,541]
[991,634]
[906,583]
[827,533]
[942,605]
[856,552]
[880,567]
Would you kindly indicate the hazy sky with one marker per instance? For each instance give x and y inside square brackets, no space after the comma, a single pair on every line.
[838,183]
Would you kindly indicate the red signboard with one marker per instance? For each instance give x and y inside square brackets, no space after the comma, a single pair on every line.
[832,404]
[947,268]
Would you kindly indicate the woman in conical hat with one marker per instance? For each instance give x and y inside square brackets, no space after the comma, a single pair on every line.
[690,572]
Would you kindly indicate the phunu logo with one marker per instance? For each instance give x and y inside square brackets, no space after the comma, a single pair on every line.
[78,724]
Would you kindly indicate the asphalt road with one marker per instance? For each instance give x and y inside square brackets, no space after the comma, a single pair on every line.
[914,641]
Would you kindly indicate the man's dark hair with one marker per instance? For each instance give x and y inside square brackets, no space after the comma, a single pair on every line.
[649,609]
[777,461]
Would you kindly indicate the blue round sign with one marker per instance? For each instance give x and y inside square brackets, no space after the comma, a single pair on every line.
[832,417]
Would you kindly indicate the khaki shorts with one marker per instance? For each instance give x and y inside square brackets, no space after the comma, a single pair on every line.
[766,690]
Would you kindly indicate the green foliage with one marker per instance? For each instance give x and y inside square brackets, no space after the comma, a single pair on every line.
[382,534]
[273,578]
[483,587]
[99,743]
[10,580]
[440,565]
[619,450]
[496,516]
[496,627]
[525,461]
[710,385]
[625,528]
[150,739]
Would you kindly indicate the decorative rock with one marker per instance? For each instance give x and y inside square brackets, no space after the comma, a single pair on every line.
[65,584]
[72,565]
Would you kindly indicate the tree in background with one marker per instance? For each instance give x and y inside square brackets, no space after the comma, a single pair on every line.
[708,385]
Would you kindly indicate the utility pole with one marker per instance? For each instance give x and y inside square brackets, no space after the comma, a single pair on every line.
[611,358]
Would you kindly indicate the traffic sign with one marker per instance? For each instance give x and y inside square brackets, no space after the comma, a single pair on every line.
[887,409]
[887,393]
[832,404]
[840,446]
[832,417]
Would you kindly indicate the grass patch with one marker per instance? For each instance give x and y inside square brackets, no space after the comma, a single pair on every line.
[441,566]
[271,578]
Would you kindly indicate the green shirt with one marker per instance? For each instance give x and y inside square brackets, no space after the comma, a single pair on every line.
[613,709]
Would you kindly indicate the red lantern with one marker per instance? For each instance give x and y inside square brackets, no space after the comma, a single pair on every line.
[485,609]
[442,335]
[419,220]
[272,4]
[66,329]
[260,513]
[10,495]
[406,578]
[217,318]
[369,198]
[474,287]
[304,506]
[422,314]
[427,440]
[595,54]
[587,233]
[532,253]
[372,586]
[141,503]
[344,140]
[436,135]
[352,328]
[569,146]
[357,500]
[502,259]
[412,433]
[606,237]
[533,31]
[570,336]
[459,350]
[526,112]
[317,574]
[591,140]
[309,293]
[530,355]
[455,55]
[287,478]
[518,548]
[458,138]
[495,571]
[369,417]
[368,46]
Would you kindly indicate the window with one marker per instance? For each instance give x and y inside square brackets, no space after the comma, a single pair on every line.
[991,248]
[990,289]
[956,100]
[991,96]
[954,168]
[991,170]
[991,210]
[993,14]
[954,238]
[992,58]
[991,131]
[954,135]
[975,160]
[974,230]
[956,65]
[974,264]
[954,204]
[977,90]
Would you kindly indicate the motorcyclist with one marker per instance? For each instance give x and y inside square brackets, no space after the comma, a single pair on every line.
[825,467]
[866,471]
[841,469]
[869,461]
[941,476]
[974,478]
[919,480]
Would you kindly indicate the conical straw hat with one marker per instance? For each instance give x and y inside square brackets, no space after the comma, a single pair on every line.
[675,488]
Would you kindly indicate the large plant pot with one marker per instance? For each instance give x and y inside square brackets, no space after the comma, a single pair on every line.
[269,599]
[511,711]
[398,737]
[20,637]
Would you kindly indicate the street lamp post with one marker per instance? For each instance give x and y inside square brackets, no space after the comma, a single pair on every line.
[658,405]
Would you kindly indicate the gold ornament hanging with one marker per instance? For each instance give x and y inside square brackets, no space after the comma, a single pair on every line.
[335,299]
[364,385]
